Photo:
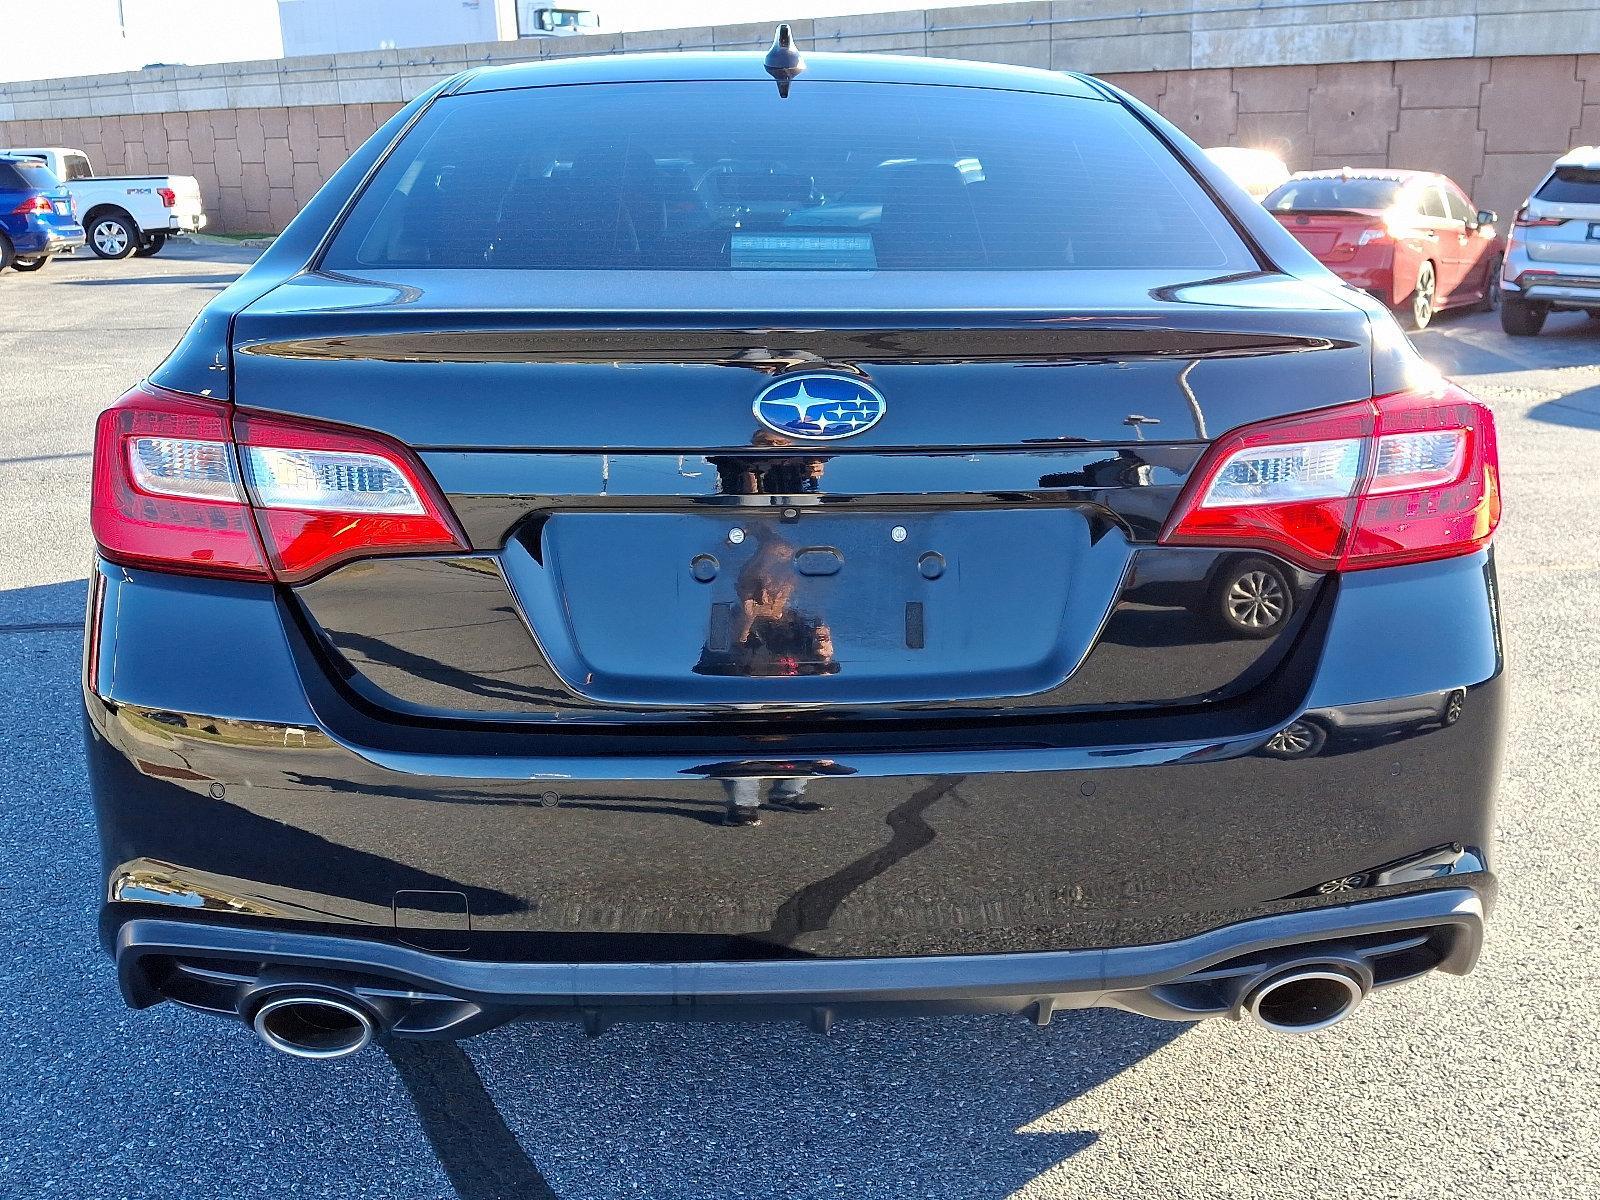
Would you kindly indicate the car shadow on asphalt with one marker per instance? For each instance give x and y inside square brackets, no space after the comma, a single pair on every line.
[933,1106]
[1580,409]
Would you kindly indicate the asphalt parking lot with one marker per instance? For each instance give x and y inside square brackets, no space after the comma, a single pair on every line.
[1479,1086]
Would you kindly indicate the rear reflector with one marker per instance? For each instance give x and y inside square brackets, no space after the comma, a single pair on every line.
[182,483]
[1402,478]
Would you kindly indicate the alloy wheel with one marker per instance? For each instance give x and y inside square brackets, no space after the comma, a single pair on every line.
[1422,298]
[110,237]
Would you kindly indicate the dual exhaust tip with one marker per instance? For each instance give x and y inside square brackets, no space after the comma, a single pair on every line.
[1306,998]
[314,1025]
[319,1025]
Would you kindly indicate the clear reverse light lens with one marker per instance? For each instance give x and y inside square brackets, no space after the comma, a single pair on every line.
[1278,474]
[328,481]
[180,467]
[1418,460]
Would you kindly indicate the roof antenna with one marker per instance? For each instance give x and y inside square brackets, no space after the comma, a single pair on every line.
[783,61]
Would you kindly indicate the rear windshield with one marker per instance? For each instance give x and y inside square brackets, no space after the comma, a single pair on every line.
[1333,195]
[729,177]
[1571,185]
[18,174]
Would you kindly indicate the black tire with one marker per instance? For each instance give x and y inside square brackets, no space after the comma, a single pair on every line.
[1594,313]
[1522,319]
[151,245]
[1419,309]
[5,252]
[1251,598]
[29,264]
[1491,294]
[112,234]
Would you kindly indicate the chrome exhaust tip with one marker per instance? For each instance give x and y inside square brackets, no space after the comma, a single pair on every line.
[1305,999]
[308,1025]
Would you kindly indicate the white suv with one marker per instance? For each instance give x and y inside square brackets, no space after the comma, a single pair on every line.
[1553,258]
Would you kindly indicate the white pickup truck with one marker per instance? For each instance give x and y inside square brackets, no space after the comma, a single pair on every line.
[123,214]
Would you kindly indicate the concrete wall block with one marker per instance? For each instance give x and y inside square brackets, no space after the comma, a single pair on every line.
[179,160]
[1531,104]
[329,120]
[229,165]
[693,37]
[230,205]
[1110,55]
[1203,104]
[757,35]
[281,208]
[1558,32]
[1034,53]
[1347,41]
[365,89]
[274,122]
[252,138]
[1441,82]
[1143,85]
[1587,131]
[1274,89]
[1353,109]
[202,137]
[871,31]
[255,95]
[307,179]
[331,153]
[1507,179]
[1588,70]
[1446,140]
[279,162]
[256,187]
[306,92]
[581,46]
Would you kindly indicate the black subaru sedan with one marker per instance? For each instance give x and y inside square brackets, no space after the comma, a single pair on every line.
[650,541]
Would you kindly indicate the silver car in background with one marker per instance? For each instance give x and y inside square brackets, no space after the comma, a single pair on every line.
[1553,258]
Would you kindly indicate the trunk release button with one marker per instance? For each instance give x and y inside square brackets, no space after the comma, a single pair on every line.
[818,560]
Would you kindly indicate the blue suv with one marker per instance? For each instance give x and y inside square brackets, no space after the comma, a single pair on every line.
[36,217]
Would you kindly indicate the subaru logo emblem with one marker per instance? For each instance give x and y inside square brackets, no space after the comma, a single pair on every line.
[818,408]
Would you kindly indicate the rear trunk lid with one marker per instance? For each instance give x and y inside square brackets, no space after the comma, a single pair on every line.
[645,548]
[1333,236]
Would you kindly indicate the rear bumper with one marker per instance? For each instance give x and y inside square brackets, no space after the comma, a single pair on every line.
[234,784]
[186,223]
[1544,281]
[413,993]
[40,237]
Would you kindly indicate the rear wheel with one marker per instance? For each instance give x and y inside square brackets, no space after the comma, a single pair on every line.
[1423,298]
[113,235]
[1519,318]
[151,245]
[30,264]
[1491,287]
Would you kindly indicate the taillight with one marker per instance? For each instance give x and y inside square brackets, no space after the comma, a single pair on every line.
[1524,221]
[184,484]
[1403,478]
[33,204]
[168,197]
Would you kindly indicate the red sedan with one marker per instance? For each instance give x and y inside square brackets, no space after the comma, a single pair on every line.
[1411,238]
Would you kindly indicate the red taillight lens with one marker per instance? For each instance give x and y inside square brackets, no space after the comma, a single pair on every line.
[33,204]
[168,197]
[1524,221]
[183,484]
[1402,478]
[166,488]
[325,494]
